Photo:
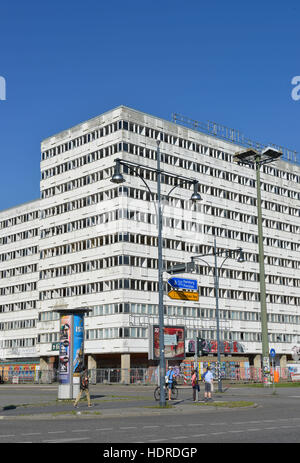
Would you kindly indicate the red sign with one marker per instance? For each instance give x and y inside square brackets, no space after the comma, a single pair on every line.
[174,340]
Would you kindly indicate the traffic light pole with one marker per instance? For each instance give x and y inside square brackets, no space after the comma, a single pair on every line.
[219,376]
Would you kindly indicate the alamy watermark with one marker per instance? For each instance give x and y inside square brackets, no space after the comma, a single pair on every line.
[296,90]
[2,88]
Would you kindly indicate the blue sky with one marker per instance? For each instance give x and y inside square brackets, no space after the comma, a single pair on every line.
[66,61]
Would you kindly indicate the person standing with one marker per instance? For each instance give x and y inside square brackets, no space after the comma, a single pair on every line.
[208,380]
[170,377]
[84,387]
[195,385]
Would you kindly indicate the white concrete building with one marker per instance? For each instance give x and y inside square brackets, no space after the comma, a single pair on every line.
[98,241]
[19,260]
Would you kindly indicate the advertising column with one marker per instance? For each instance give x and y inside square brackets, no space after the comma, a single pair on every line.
[65,357]
[78,351]
[71,351]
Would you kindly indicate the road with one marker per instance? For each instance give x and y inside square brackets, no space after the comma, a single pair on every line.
[275,418]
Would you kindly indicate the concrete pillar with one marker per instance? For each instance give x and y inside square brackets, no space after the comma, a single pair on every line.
[45,373]
[92,367]
[283,367]
[125,368]
[257,361]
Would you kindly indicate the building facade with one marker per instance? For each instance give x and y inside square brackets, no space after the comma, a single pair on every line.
[19,275]
[97,242]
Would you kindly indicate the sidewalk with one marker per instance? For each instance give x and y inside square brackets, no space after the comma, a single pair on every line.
[109,401]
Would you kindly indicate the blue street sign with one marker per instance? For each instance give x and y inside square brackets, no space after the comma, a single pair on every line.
[272,352]
[183,283]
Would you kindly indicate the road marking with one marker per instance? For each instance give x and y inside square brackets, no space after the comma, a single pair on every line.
[56,432]
[104,429]
[80,430]
[173,425]
[198,435]
[151,426]
[157,440]
[127,427]
[8,435]
[216,424]
[66,440]
[31,434]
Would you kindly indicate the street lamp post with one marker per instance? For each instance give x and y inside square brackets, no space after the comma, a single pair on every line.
[190,267]
[118,178]
[256,159]
[240,258]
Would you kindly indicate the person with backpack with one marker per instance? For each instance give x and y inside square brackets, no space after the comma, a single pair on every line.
[170,378]
[195,385]
[84,387]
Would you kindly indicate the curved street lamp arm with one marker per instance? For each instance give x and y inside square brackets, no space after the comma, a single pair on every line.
[223,262]
[135,170]
[200,258]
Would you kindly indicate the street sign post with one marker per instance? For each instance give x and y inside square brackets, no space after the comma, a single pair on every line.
[184,295]
[183,283]
[272,354]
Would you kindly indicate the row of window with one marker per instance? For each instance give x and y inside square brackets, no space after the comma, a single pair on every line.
[19,219]
[152,286]
[242,336]
[141,332]
[111,333]
[143,195]
[77,183]
[17,271]
[231,177]
[16,306]
[24,235]
[152,263]
[170,222]
[17,324]
[48,316]
[24,252]
[148,240]
[189,145]
[136,150]
[82,140]
[99,264]
[155,134]
[203,189]
[16,289]
[185,311]
[48,337]
[15,343]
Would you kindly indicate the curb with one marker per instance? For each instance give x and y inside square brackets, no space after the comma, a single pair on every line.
[121,413]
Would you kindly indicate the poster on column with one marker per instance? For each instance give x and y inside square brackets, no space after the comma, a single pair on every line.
[78,341]
[65,349]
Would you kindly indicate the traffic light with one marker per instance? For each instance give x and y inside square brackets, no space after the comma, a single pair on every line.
[188,267]
[202,347]
[191,347]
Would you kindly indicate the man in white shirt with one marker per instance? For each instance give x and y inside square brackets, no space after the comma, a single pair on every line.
[208,380]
